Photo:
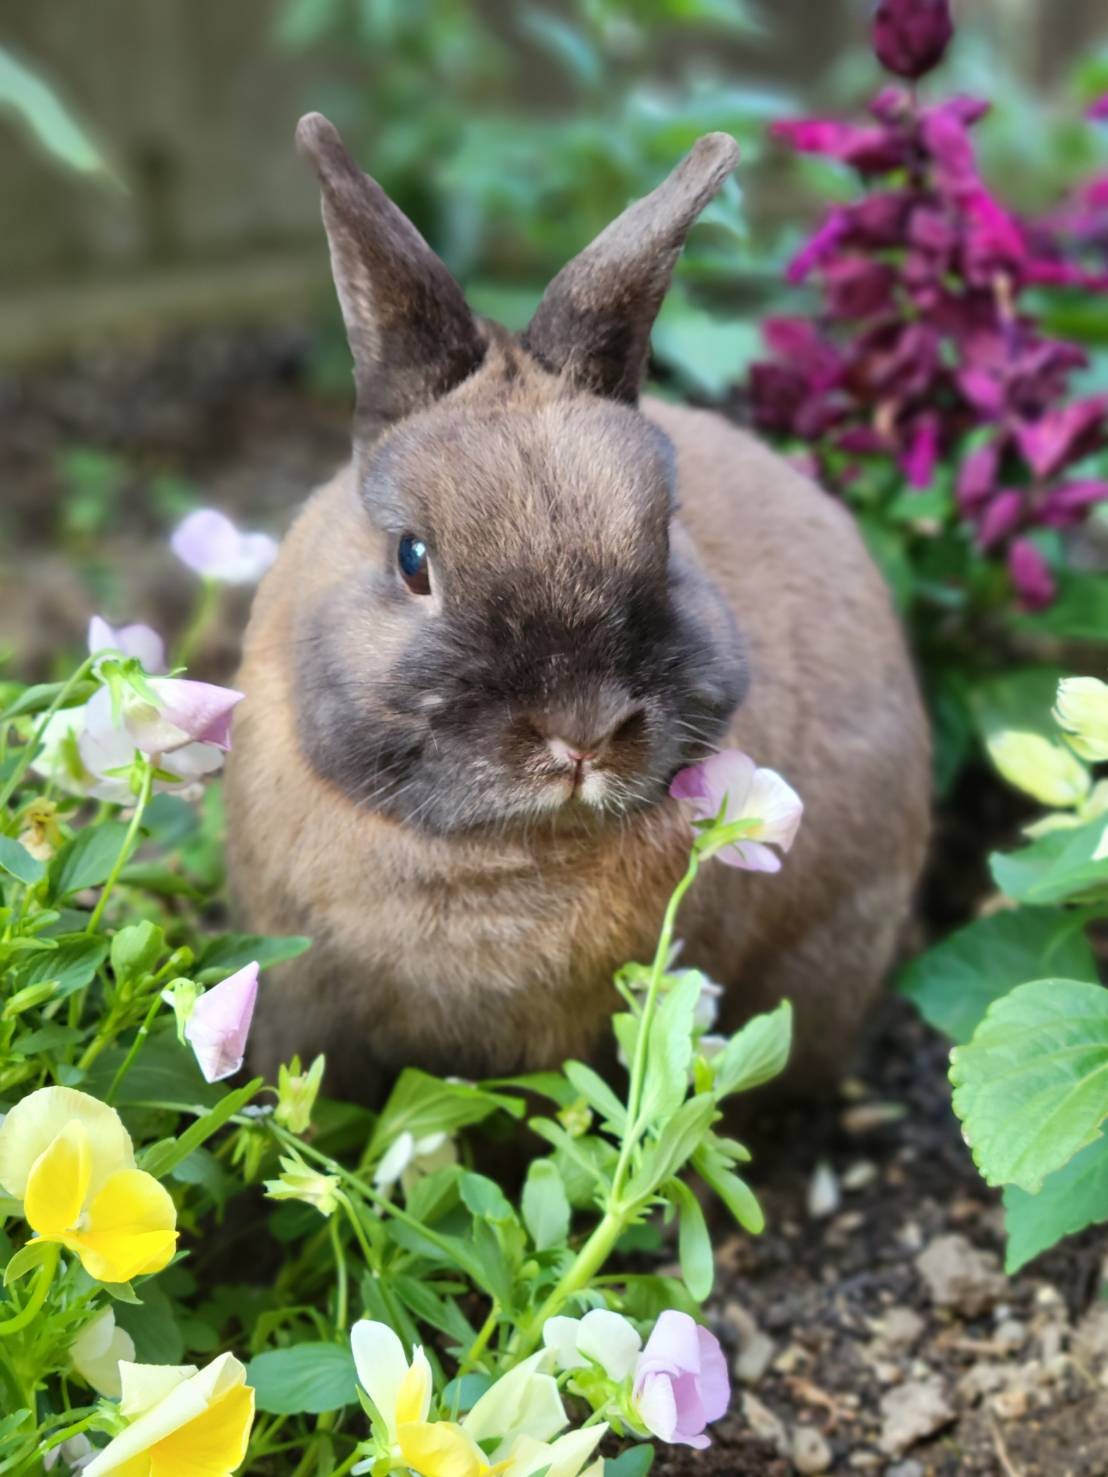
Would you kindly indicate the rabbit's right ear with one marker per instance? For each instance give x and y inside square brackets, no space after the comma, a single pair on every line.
[410,330]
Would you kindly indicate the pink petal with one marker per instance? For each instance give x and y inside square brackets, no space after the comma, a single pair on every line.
[821,247]
[750,856]
[918,462]
[1001,517]
[138,641]
[1098,111]
[220,1023]
[1031,575]
[777,806]
[200,710]
[209,543]
[657,1405]
[715,1382]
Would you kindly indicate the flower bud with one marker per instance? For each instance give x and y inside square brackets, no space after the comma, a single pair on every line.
[297,1092]
[910,37]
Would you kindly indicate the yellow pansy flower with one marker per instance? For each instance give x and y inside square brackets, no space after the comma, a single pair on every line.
[443,1449]
[1082,710]
[70,1160]
[181,1421]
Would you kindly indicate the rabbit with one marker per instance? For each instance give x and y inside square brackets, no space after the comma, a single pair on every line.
[487,646]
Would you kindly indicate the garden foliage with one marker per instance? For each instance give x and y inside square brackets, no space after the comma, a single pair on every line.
[177,1253]
[1018,989]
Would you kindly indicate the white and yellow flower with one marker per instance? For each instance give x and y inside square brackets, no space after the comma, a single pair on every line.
[1081,708]
[408,1159]
[97,1352]
[70,1160]
[181,1420]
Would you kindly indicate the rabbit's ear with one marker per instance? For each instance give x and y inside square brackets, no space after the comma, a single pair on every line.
[595,318]
[411,332]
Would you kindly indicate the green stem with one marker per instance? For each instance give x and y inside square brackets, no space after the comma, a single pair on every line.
[632,1128]
[352,1216]
[340,1270]
[128,846]
[588,1261]
[206,605]
[31,746]
[19,1321]
[477,1348]
[136,1045]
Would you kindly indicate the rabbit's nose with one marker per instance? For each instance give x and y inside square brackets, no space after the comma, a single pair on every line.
[578,735]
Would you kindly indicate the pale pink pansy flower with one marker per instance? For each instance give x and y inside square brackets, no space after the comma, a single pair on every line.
[730,782]
[138,641]
[219,1023]
[209,543]
[681,1383]
[601,1336]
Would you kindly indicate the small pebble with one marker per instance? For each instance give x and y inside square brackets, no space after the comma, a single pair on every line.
[859,1175]
[810,1451]
[961,1276]
[901,1327]
[866,1117]
[1011,1334]
[824,1196]
[904,1469]
[912,1412]
[765,1425]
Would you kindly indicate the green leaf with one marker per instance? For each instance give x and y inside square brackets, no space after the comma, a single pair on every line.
[1021,698]
[707,351]
[953,984]
[484,1198]
[161,1159]
[26,1259]
[43,695]
[87,859]
[1080,611]
[442,1313]
[19,862]
[669,1050]
[1071,1198]
[163,1075]
[735,1193]
[636,1461]
[308,1379]
[420,1104]
[546,1212]
[677,1142]
[153,1326]
[755,1054]
[1057,867]
[597,1094]
[1031,1087]
[73,964]
[232,951]
[136,949]
[42,110]
[694,1245]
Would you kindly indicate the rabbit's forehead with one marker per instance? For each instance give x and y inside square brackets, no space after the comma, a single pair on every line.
[530,479]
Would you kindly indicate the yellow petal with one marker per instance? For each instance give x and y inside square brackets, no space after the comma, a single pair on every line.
[130,1229]
[58,1183]
[187,1398]
[1043,769]
[35,1122]
[213,1444]
[413,1399]
[440,1449]
[146,1385]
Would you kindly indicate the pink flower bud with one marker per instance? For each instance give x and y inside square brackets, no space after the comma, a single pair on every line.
[219,1024]
[910,37]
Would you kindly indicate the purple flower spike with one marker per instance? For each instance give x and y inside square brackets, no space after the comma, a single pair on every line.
[1061,435]
[918,462]
[1030,574]
[681,1383]
[910,37]
[1098,111]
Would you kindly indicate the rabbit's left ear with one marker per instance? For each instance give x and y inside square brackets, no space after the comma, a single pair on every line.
[410,330]
[595,318]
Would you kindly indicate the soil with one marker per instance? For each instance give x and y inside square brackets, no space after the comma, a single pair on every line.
[865,1338]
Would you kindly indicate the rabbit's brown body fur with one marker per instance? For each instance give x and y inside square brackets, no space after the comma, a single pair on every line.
[486,950]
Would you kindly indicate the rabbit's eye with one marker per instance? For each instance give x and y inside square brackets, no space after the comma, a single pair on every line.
[411,555]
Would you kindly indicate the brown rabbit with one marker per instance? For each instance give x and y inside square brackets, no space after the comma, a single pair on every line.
[490,642]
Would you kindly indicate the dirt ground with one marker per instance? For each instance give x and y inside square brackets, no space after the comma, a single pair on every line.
[870,1327]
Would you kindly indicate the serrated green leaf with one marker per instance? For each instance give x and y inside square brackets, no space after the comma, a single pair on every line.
[953,984]
[72,964]
[229,952]
[1071,1198]
[87,859]
[1031,1087]
[1057,867]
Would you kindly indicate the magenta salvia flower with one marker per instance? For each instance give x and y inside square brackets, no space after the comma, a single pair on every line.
[681,1384]
[910,37]
[1098,110]
[209,543]
[137,641]
[923,342]
[730,782]
[1030,574]
[219,1023]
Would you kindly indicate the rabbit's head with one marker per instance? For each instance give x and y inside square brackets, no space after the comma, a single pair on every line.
[525,632]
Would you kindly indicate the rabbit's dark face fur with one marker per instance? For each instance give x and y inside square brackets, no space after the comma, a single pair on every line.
[559,615]
[568,656]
